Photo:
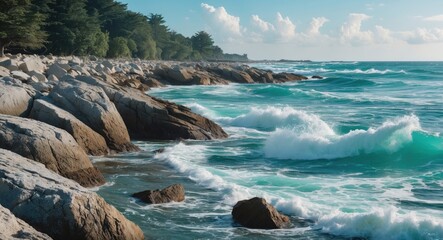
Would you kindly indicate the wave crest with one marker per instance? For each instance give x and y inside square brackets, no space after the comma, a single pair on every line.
[309,145]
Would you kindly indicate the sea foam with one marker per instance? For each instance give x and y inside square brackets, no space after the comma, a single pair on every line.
[271,118]
[296,143]
[381,223]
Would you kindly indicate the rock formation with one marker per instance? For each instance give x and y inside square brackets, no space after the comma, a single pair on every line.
[92,106]
[173,193]
[53,147]
[57,206]
[15,228]
[257,213]
[150,118]
[92,142]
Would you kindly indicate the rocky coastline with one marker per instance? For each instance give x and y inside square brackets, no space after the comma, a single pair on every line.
[57,111]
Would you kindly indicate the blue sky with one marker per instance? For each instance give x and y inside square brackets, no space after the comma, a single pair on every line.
[316,29]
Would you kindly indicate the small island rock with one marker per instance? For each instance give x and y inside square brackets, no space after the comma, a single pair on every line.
[173,193]
[257,213]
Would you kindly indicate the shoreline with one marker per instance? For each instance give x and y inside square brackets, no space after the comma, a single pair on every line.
[99,107]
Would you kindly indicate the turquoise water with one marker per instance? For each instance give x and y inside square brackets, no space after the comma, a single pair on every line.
[357,154]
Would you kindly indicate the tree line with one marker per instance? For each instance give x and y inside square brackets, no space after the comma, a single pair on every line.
[103,28]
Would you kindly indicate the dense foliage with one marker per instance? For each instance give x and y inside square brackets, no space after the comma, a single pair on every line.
[104,28]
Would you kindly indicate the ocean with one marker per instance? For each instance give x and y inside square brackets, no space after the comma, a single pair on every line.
[358,154]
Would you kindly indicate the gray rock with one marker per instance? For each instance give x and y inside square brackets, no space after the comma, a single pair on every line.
[92,142]
[52,78]
[57,206]
[40,77]
[41,87]
[92,106]
[14,99]
[53,147]
[14,228]
[4,71]
[20,75]
[10,64]
[150,118]
[56,70]
[32,64]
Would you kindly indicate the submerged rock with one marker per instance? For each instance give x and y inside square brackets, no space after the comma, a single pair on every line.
[91,105]
[173,193]
[57,206]
[257,213]
[53,147]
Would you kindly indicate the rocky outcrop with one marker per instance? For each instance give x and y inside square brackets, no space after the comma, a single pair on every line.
[218,73]
[92,142]
[57,206]
[91,105]
[15,100]
[173,193]
[15,228]
[150,118]
[53,147]
[257,213]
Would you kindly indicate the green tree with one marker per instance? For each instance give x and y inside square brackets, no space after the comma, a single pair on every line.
[20,25]
[203,43]
[100,46]
[71,30]
[160,32]
[118,47]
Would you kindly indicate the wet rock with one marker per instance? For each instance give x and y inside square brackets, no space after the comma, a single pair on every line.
[173,193]
[257,213]
[317,77]
[58,206]
[92,142]
[53,147]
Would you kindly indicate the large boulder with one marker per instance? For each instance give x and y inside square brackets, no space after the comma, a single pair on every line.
[150,118]
[58,206]
[173,193]
[56,70]
[91,105]
[257,213]
[15,228]
[15,99]
[53,147]
[32,64]
[92,142]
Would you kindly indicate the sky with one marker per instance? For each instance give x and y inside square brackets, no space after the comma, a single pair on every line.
[372,30]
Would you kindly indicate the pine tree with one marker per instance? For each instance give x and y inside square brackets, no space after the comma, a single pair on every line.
[20,25]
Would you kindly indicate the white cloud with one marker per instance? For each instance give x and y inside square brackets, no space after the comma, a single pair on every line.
[261,24]
[423,35]
[351,30]
[222,22]
[316,24]
[436,18]
[285,28]
[383,35]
